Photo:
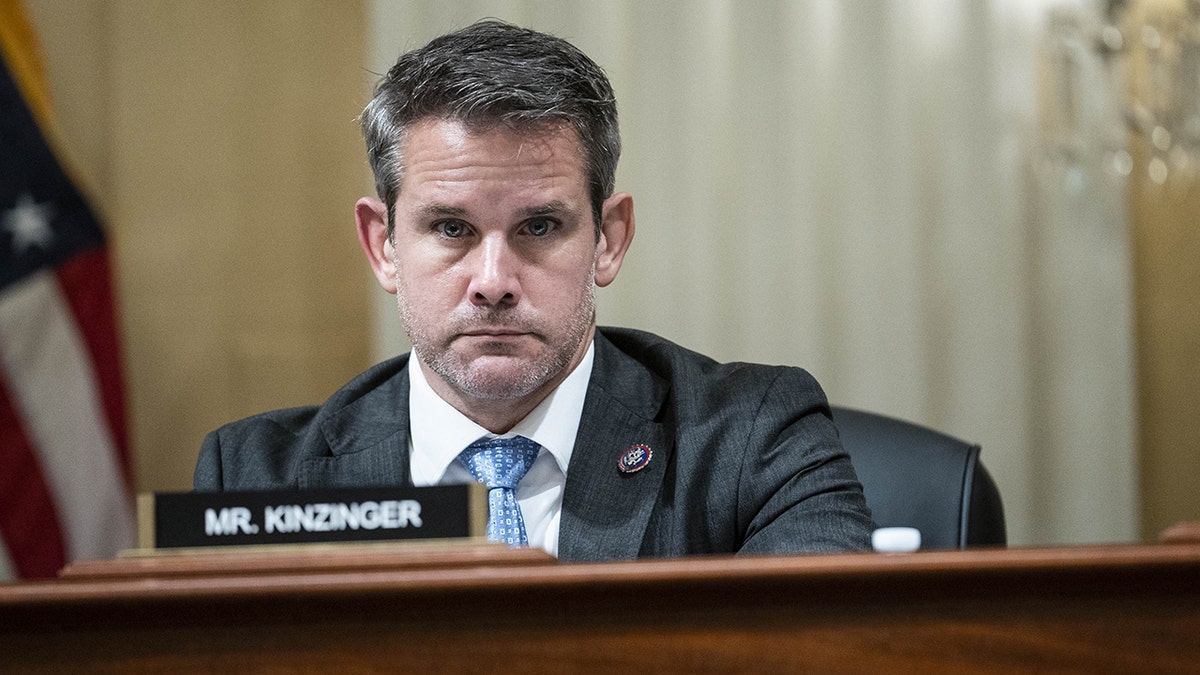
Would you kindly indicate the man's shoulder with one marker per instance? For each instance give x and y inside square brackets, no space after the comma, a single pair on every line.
[675,363]
[263,450]
[637,367]
[282,424]
[378,381]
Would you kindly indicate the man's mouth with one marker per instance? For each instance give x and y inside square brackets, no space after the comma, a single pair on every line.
[494,332]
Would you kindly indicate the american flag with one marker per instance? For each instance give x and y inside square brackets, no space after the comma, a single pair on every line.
[64,461]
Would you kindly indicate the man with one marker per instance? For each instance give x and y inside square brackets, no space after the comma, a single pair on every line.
[494,150]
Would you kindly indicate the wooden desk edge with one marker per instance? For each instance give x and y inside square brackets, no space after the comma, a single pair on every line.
[352,572]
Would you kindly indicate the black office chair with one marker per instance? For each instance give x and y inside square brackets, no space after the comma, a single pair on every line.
[916,477]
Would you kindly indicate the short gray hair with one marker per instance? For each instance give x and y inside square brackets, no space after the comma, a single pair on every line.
[492,73]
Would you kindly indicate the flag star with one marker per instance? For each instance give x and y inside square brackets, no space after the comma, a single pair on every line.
[29,224]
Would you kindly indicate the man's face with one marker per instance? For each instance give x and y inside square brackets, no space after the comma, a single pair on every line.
[495,258]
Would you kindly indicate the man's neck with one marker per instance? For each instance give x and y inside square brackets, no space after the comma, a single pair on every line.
[495,415]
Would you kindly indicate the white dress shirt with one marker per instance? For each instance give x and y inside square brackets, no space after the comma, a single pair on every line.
[438,433]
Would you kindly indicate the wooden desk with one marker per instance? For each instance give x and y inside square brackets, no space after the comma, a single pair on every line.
[477,608]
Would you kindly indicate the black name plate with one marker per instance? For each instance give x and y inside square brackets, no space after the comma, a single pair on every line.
[204,519]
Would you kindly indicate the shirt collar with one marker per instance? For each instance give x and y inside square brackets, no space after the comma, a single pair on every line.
[438,432]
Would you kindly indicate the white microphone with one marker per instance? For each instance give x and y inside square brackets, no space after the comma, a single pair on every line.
[896,539]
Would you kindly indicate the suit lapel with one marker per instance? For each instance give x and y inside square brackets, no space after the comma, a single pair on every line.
[368,438]
[606,511]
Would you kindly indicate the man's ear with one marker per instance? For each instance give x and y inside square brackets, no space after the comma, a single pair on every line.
[616,234]
[370,215]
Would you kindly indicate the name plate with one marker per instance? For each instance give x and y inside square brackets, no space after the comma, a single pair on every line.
[205,519]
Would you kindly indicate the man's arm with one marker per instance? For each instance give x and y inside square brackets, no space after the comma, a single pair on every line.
[797,489]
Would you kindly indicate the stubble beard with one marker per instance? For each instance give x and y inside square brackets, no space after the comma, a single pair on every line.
[434,345]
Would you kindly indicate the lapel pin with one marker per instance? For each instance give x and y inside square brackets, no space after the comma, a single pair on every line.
[634,459]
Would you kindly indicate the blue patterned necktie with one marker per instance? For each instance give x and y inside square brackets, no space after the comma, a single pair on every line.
[501,463]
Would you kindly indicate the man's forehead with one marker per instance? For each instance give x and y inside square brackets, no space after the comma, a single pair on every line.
[440,152]
[455,134]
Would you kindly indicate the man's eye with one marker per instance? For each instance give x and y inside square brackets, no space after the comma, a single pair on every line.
[451,228]
[540,227]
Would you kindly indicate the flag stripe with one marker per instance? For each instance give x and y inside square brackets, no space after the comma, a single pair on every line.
[28,522]
[55,392]
[86,285]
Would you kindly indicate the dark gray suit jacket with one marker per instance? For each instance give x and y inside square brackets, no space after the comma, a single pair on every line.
[745,457]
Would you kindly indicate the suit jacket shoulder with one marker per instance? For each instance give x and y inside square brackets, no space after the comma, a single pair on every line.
[358,437]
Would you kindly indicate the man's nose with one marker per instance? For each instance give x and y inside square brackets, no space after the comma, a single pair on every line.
[494,278]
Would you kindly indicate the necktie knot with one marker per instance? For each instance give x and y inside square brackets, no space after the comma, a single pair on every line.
[500,462]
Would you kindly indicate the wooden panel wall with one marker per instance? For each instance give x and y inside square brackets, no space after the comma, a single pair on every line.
[221,143]
[1164,218]
[1166,233]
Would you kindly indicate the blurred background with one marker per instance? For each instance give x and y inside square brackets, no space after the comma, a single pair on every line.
[982,216]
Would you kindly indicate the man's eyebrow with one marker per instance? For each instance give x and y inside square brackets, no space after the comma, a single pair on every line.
[446,211]
[441,211]
[549,208]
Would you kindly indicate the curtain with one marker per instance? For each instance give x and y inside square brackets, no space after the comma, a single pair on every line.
[869,189]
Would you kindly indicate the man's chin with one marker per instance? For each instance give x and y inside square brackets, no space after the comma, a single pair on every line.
[496,377]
